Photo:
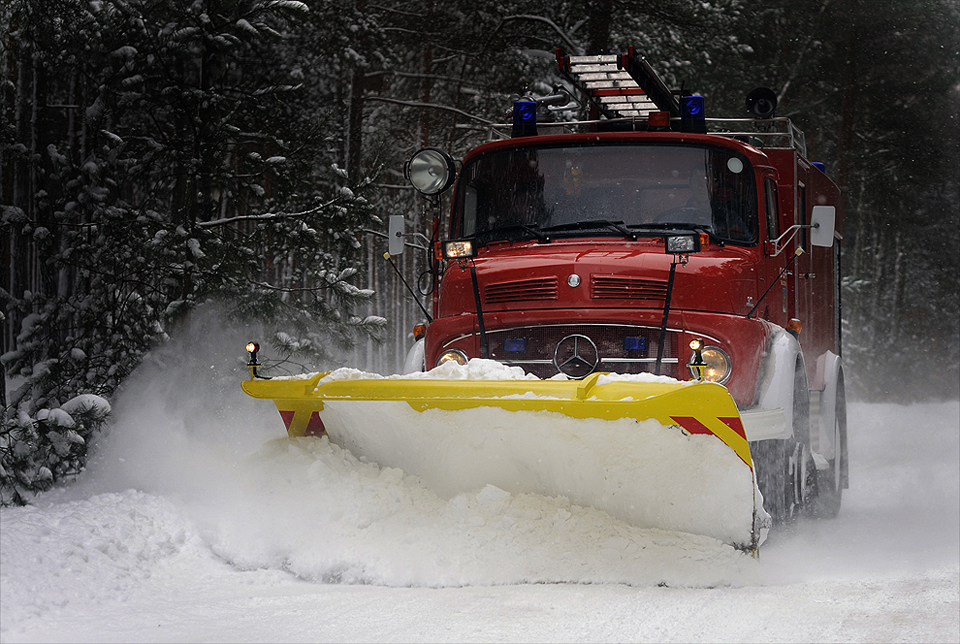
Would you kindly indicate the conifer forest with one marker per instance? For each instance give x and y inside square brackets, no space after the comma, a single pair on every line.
[159,155]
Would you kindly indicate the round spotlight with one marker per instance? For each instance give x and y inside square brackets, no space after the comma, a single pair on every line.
[431,171]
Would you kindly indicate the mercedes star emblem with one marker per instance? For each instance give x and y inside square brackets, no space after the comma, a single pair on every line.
[576,356]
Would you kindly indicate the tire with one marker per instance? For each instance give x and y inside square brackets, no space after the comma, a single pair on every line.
[831,481]
[772,467]
[786,473]
[803,477]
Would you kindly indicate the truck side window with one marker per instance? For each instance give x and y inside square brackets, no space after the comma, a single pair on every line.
[770,200]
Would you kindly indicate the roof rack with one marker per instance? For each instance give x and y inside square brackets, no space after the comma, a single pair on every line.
[778,132]
[622,91]
[774,133]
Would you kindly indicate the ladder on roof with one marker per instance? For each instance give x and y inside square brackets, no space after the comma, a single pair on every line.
[618,86]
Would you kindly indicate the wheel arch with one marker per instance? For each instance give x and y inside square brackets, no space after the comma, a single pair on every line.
[780,369]
[415,360]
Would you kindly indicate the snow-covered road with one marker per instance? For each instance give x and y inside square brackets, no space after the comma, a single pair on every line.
[201,528]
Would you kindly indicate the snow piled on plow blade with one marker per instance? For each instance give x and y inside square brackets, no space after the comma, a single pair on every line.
[642,472]
[609,442]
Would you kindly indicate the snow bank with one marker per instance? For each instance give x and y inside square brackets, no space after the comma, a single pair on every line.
[642,472]
[77,554]
[308,507]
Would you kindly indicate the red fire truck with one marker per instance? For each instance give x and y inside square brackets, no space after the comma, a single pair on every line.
[650,239]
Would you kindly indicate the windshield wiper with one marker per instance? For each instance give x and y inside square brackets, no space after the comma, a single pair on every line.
[531,229]
[680,226]
[595,223]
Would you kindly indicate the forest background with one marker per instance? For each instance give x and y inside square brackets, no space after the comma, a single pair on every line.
[160,154]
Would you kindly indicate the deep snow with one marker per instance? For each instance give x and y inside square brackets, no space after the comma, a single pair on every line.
[635,470]
[198,522]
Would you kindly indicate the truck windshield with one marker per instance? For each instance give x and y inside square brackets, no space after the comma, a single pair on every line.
[606,189]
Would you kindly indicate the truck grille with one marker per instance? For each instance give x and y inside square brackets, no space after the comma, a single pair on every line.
[540,288]
[620,348]
[615,287]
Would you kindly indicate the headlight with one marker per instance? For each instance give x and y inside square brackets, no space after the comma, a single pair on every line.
[455,355]
[683,244]
[458,249]
[686,244]
[431,171]
[718,363]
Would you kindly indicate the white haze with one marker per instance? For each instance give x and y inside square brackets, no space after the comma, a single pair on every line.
[198,521]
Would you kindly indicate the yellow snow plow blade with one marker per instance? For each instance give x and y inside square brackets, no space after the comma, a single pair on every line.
[658,454]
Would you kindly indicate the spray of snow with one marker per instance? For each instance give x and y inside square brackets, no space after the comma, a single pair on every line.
[902,511]
[188,438]
[185,433]
[198,515]
[310,508]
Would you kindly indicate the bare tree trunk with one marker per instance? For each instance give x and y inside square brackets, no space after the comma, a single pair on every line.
[599,20]
[426,87]
[354,163]
[851,91]
[896,292]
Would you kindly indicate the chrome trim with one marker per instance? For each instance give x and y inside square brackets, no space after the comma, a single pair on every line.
[547,326]
[602,360]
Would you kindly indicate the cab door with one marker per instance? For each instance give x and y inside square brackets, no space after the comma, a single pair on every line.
[774,306]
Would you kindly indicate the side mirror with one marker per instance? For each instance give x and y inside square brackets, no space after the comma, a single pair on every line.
[823,220]
[395,235]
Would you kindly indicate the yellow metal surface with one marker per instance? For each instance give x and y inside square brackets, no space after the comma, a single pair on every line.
[699,407]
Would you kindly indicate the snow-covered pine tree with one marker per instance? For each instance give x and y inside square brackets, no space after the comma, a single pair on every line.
[164,170]
[37,451]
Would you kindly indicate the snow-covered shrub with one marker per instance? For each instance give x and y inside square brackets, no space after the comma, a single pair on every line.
[37,451]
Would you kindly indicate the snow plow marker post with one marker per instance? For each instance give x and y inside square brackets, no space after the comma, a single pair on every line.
[696,407]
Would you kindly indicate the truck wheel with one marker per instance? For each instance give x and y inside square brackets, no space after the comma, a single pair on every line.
[802,470]
[804,482]
[830,481]
[786,473]
[772,467]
